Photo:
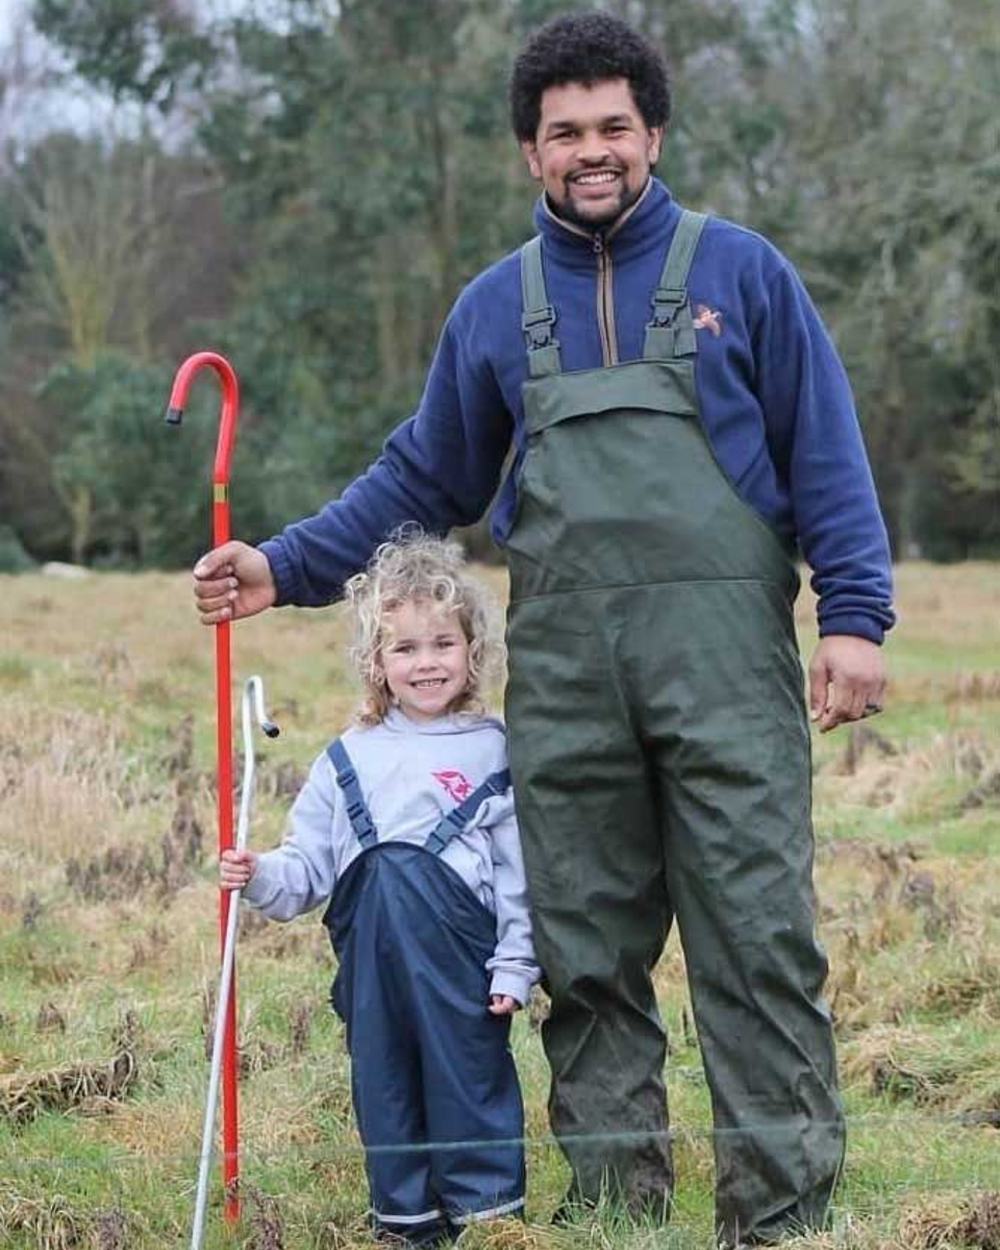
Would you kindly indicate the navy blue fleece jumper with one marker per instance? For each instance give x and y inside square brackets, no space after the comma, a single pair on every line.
[774,398]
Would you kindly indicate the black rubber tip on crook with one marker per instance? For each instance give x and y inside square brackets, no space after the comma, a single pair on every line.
[271,729]
[174,416]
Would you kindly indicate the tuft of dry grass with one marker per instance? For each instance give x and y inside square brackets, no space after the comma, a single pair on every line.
[953,1220]
[905,781]
[88,1087]
[50,1222]
[504,1235]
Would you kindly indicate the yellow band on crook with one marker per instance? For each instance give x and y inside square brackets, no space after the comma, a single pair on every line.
[220,492]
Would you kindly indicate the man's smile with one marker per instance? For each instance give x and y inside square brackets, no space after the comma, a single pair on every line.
[595,177]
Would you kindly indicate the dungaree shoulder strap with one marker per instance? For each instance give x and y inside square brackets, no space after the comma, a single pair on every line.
[537,316]
[459,817]
[670,332]
[357,808]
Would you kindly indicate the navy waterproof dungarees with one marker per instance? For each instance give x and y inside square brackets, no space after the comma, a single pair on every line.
[429,1064]
[660,751]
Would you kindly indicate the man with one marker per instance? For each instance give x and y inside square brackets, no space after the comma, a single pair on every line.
[680,420]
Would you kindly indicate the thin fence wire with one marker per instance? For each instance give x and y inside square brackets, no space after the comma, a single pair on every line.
[333,1149]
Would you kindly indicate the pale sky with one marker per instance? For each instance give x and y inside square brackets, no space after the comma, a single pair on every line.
[30,105]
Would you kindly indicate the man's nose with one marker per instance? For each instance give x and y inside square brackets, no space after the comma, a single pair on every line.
[593,147]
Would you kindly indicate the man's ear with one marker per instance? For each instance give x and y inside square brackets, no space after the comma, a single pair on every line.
[529,150]
[655,146]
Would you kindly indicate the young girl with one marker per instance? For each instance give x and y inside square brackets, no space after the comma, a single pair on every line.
[406,824]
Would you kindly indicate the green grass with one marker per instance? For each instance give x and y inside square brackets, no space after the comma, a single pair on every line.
[96,764]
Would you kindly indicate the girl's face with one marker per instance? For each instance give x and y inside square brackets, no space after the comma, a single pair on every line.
[425,658]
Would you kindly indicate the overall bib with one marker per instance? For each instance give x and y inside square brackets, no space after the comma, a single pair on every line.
[661,760]
[428,1062]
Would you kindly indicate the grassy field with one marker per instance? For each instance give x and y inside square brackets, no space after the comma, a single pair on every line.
[108,940]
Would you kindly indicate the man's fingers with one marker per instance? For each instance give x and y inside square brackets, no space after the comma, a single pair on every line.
[216,618]
[850,703]
[220,560]
[222,597]
[214,611]
[208,588]
[213,564]
[859,701]
[838,706]
[846,681]
[819,689]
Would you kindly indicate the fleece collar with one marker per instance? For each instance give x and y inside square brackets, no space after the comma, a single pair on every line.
[639,229]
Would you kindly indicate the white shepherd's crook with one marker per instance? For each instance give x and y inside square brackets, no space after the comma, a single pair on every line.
[253,706]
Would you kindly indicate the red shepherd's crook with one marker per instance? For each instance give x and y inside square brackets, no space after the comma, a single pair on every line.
[224,727]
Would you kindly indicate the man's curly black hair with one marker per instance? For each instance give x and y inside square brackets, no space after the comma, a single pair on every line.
[587,47]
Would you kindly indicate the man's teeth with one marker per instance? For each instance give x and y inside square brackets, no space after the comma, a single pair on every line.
[606,175]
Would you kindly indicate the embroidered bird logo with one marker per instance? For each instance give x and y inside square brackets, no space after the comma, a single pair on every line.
[706,318]
[454,782]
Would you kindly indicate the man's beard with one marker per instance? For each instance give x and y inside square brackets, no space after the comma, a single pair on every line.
[567,212]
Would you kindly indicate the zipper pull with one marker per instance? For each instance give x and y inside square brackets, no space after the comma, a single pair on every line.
[598,244]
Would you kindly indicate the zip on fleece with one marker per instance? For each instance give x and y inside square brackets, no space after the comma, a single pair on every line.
[606,301]
[605,274]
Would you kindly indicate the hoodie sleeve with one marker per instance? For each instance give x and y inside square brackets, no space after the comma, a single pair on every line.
[440,468]
[512,967]
[301,873]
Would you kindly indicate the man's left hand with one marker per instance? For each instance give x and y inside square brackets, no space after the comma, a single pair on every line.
[846,680]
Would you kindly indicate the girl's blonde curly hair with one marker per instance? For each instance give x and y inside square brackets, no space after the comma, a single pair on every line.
[414,567]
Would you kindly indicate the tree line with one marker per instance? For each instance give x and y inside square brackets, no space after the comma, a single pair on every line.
[306,188]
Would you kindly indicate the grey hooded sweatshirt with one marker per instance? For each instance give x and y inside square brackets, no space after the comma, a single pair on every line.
[411,774]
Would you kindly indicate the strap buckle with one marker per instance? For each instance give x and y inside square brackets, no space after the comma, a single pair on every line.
[362,823]
[537,325]
[667,301]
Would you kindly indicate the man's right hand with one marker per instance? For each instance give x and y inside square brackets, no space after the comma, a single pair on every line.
[232,581]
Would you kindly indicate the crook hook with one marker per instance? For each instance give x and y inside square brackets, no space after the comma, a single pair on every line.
[253,707]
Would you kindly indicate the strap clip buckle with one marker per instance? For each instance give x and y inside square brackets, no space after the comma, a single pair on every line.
[667,301]
[537,325]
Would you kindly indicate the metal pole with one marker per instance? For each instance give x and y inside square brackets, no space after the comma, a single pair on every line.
[253,692]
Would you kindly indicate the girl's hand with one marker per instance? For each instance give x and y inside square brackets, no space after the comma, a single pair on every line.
[503,1005]
[236,868]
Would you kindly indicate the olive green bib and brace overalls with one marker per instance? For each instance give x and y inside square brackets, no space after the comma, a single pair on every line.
[660,754]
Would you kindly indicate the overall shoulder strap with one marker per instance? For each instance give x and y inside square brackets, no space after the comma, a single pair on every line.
[537,314]
[357,808]
[670,332]
[459,817]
